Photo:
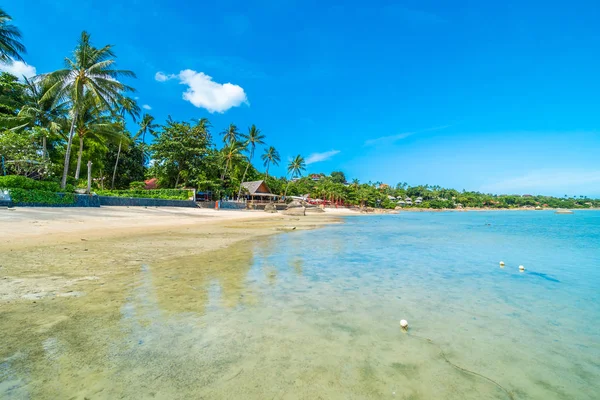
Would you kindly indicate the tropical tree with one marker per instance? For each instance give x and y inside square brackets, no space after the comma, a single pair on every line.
[10,36]
[37,111]
[295,169]
[93,122]
[12,94]
[125,106]
[270,156]
[231,152]
[147,125]
[231,134]
[253,138]
[180,152]
[92,70]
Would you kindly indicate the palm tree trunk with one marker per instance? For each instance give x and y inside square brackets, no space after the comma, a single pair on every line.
[44,147]
[244,177]
[267,172]
[78,169]
[225,170]
[112,185]
[286,188]
[63,182]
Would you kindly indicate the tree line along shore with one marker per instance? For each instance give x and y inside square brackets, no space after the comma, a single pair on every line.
[56,126]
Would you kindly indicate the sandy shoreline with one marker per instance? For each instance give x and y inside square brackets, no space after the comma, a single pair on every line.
[51,252]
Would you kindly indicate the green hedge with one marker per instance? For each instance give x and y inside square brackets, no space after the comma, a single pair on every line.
[24,196]
[22,182]
[166,194]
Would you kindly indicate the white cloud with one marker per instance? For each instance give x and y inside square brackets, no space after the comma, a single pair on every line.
[18,69]
[318,157]
[159,76]
[205,93]
[146,107]
[573,182]
[386,140]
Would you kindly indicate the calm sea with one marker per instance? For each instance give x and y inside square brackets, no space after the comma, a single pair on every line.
[315,314]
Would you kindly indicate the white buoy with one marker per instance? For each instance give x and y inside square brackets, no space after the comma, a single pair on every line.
[502,263]
[521,268]
[404,324]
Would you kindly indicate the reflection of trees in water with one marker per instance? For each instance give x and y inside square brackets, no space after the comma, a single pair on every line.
[182,285]
[298,264]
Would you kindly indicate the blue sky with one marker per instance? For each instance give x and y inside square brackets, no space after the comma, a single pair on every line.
[494,96]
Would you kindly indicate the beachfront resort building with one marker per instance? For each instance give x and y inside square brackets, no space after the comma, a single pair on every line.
[408,201]
[419,200]
[258,191]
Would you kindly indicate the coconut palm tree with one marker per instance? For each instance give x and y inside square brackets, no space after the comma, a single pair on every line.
[231,134]
[295,169]
[92,70]
[253,138]
[147,125]
[48,114]
[270,156]
[125,106]
[10,36]
[232,152]
[93,122]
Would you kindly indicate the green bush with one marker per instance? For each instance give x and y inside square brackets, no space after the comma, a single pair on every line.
[166,194]
[137,186]
[23,196]
[22,182]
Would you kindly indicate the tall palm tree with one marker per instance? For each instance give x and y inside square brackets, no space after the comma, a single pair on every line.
[91,70]
[295,169]
[253,138]
[125,106]
[231,152]
[95,123]
[147,125]
[270,156]
[231,134]
[10,36]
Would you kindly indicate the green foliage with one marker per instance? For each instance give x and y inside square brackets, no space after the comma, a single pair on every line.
[23,154]
[42,197]
[10,39]
[137,186]
[167,194]
[12,93]
[22,182]
[179,151]
[338,177]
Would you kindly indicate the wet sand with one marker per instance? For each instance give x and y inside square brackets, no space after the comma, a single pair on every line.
[50,252]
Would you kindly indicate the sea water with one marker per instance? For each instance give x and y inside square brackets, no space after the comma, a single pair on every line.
[315,315]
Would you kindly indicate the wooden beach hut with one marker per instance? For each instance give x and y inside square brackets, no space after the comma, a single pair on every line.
[258,192]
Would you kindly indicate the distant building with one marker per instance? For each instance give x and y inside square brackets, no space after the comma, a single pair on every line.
[408,201]
[315,177]
[419,200]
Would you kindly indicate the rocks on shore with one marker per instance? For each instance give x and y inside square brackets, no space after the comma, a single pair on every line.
[296,207]
[270,208]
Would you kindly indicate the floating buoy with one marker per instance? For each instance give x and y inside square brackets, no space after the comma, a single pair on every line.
[502,263]
[521,268]
[404,324]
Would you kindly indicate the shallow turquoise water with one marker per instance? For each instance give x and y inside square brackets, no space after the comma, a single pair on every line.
[315,314]
[536,331]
